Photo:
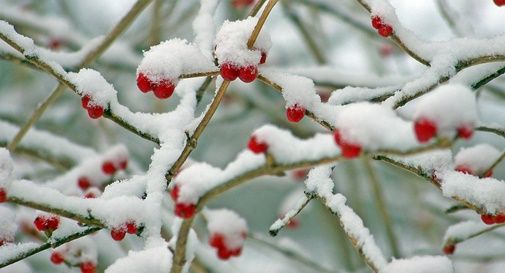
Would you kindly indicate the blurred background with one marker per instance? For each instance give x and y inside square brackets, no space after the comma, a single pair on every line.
[305,34]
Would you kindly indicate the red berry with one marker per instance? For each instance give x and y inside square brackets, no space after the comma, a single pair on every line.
[164,89]
[108,168]
[425,129]
[118,233]
[385,30]
[257,146]
[488,173]
[376,22]
[488,219]
[143,83]
[95,111]
[499,3]
[88,267]
[123,164]
[217,240]
[175,193]
[263,58]
[185,211]
[248,74]
[57,258]
[229,72]
[3,195]
[223,253]
[293,223]
[464,169]
[131,228]
[295,113]
[55,43]
[40,223]
[85,101]
[499,218]
[83,183]
[337,137]
[449,249]
[465,132]
[350,150]
[90,195]
[300,174]
[52,222]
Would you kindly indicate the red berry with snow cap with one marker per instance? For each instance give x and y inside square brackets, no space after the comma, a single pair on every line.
[52,222]
[499,3]
[131,227]
[95,111]
[83,183]
[164,89]
[40,223]
[385,31]
[464,169]
[108,168]
[376,22]
[350,150]
[57,257]
[123,164]
[85,101]
[257,146]
[425,129]
[217,240]
[248,74]
[3,195]
[144,83]
[263,57]
[174,193]
[88,267]
[229,72]
[499,218]
[465,132]
[449,249]
[118,233]
[488,219]
[184,210]
[295,113]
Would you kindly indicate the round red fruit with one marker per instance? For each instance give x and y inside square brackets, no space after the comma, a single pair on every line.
[350,150]
[143,83]
[464,169]
[123,164]
[257,146]
[174,193]
[293,223]
[57,258]
[108,168]
[164,89]
[499,218]
[83,183]
[3,195]
[85,101]
[53,222]
[295,113]
[185,211]
[376,22]
[95,111]
[248,74]
[229,72]
[40,223]
[224,253]
[487,219]
[131,228]
[385,30]
[499,3]
[449,249]
[465,132]
[217,240]
[425,129]
[118,233]
[263,58]
[88,267]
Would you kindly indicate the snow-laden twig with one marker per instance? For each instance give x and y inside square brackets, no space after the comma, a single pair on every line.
[466,230]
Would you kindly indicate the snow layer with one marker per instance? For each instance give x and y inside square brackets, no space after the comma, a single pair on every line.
[420,264]
[6,166]
[463,230]
[478,158]
[8,224]
[153,260]
[90,82]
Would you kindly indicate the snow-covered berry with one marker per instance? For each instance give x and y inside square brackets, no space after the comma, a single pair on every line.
[3,195]
[185,210]
[499,3]
[376,22]
[295,113]
[88,267]
[263,57]
[348,148]
[123,164]
[108,168]
[83,183]
[248,73]
[425,129]
[118,233]
[47,223]
[164,89]
[488,219]
[57,257]
[229,72]
[464,169]
[174,193]
[465,131]
[228,232]
[95,111]
[257,146]
[131,227]
[385,31]
[85,101]
[144,83]
[449,249]
[499,218]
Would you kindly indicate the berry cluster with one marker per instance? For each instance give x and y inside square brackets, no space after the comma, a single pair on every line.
[224,250]
[109,167]
[47,223]
[86,267]
[162,89]
[3,195]
[383,29]
[426,129]
[490,219]
[118,233]
[94,110]
[499,3]
[247,73]
[183,210]
[295,113]
[349,149]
